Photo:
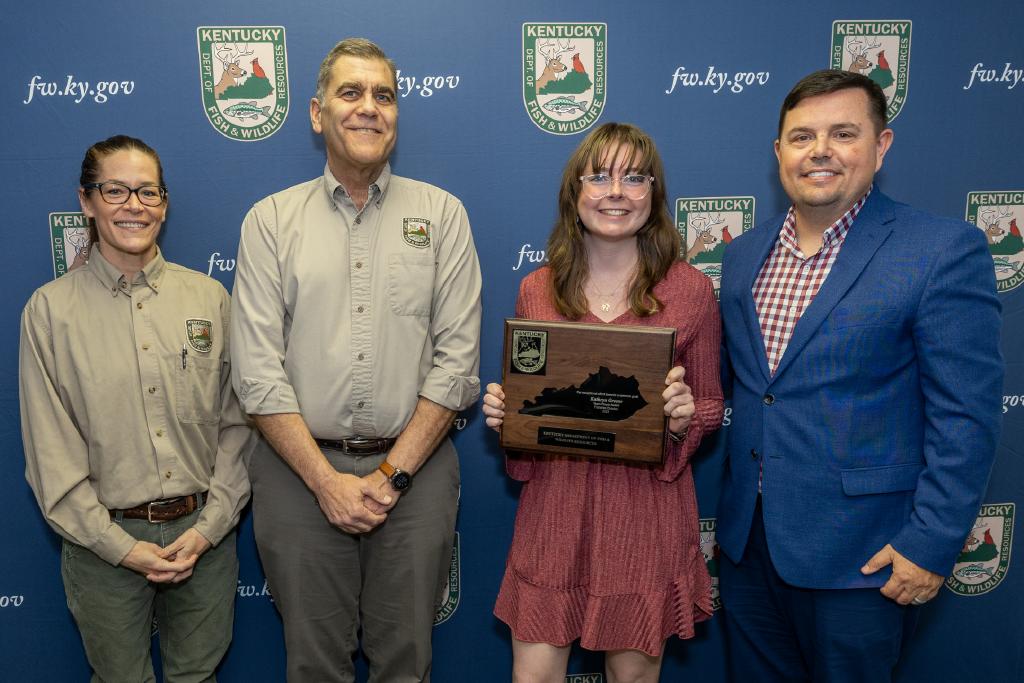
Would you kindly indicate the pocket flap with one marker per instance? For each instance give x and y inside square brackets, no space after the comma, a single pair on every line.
[884,479]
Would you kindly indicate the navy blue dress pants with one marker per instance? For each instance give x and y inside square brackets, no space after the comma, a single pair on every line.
[779,632]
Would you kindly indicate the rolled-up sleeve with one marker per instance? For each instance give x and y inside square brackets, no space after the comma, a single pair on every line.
[257,319]
[453,381]
[56,454]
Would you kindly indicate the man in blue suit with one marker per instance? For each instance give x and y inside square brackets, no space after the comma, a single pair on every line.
[862,353]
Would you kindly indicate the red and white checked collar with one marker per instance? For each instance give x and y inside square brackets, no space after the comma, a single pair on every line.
[789,281]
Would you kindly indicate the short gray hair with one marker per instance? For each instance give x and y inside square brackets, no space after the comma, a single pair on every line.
[363,48]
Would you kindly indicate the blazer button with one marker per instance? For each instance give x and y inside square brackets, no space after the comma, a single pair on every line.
[768,399]
[753,453]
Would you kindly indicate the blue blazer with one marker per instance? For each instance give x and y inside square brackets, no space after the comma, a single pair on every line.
[880,424]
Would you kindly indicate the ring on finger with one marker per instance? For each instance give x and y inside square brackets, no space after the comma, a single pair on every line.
[918,601]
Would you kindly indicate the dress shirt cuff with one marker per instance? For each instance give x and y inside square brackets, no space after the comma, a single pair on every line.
[519,465]
[113,544]
[259,397]
[454,392]
[212,524]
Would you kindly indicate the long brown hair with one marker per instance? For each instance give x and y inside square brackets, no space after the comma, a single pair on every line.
[657,242]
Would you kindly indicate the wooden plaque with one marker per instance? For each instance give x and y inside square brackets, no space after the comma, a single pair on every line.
[592,390]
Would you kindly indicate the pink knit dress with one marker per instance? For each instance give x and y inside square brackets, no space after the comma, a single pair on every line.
[609,552]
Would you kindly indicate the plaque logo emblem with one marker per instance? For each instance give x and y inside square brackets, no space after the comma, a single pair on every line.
[997,215]
[529,351]
[69,241]
[416,232]
[200,334]
[450,597]
[243,76]
[878,49]
[564,69]
[709,547]
[985,558]
[707,225]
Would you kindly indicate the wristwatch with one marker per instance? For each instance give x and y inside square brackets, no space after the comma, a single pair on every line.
[400,479]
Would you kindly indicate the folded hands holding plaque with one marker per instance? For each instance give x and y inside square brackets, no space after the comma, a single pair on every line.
[610,381]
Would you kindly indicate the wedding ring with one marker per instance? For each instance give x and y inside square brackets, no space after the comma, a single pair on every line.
[918,601]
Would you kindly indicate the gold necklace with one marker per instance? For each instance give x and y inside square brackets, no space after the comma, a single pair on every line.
[604,298]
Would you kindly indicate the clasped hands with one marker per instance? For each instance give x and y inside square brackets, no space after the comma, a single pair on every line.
[356,504]
[171,564]
[678,398]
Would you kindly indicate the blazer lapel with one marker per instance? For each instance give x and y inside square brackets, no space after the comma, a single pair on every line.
[866,235]
[752,267]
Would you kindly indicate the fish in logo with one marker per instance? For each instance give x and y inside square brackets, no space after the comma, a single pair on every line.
[1000,216]
[69,241]
[243,74]
[878,49]
[707,225]
[564,75]
[984,559]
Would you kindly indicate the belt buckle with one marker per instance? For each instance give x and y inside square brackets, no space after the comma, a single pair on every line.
[358,445]
[149,511]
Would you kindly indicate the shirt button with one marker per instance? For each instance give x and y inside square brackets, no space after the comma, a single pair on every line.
[359,309]
[167,474]
[159,432]
[768,399]
[359,220]
[753,453]
[145,347]
[360,404]
[359,357]
[138,305]
[359,264]
[152,390]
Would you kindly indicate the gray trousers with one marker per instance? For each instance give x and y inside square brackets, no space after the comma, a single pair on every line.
[114,608]
[327,583]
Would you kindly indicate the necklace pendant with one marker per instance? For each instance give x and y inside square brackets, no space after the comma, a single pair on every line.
[606,307]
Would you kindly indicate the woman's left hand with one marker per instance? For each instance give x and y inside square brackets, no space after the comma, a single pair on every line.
[678,399]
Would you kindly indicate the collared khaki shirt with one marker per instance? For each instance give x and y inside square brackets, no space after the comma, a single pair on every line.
[347,316]
[126,398]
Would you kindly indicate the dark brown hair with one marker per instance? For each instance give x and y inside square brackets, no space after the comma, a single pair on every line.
[657,241]
[104,148]
[828,81]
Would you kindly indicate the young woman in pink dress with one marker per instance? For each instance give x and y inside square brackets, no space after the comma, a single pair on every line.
[603,551]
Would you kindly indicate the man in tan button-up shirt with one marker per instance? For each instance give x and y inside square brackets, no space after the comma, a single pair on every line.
[356,326]
[133,436]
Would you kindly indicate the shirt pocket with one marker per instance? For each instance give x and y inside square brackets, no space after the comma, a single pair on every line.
[197,387]
[410,284]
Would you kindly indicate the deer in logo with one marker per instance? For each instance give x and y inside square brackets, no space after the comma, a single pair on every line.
[990,218]
[229,56]
[858,49]
[552,55]
[705,241]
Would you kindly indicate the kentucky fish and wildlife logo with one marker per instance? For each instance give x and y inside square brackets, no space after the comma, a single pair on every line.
[450,596]
[243,72]
[200,334]
[529,352]
[709,547]
[985,558]
[878,49]
[69,241]
[707,225]
[416,231]
[997,214]
[564,71]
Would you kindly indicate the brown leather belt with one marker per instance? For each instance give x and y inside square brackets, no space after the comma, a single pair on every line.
[163,510]
[357,445]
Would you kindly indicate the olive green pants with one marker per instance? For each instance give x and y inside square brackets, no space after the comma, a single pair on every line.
[115,609]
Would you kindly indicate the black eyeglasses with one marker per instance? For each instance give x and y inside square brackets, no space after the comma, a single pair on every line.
[118,193]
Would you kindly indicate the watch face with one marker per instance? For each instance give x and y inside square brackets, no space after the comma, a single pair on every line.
[400,480]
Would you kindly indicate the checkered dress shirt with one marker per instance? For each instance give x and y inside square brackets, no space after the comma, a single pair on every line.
[789,281]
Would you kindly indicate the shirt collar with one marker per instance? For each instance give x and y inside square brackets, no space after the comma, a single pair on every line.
[113,279]
[833,235]
[336,191]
